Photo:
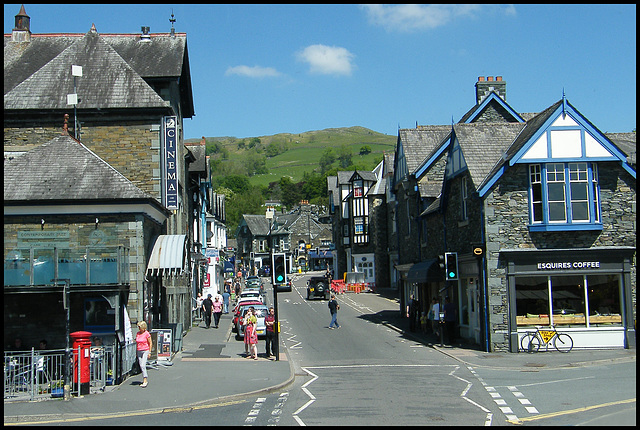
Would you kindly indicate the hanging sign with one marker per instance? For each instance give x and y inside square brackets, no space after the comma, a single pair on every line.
[170,162]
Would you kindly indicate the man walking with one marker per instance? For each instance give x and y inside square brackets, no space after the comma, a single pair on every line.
[333,308]
[207,308]
[270,321]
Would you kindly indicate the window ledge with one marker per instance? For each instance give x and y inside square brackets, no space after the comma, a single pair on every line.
[565,227]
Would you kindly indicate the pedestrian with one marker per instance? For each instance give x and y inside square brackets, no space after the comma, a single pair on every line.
[423,322]
[334,307]
[199,301]
[270,322]
[450,320]
[435,316]
[207,308]
[225,299]
[143,346]
[217,310]
[412,312]
[249,321]
[252,334]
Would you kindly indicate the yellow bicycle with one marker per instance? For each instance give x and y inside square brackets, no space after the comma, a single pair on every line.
[532,340]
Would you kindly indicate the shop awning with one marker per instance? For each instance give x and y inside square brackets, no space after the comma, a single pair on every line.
[425,271]
[169,255]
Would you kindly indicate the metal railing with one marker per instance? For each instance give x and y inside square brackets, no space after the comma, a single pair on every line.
[38,374]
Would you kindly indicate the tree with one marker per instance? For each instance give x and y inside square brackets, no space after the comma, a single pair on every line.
[364,150]
[327,159]
[344,156]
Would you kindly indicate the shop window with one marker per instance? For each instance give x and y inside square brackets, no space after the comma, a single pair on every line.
[568,301]
[604,300]
[532,300]
[564,196]
[578,300]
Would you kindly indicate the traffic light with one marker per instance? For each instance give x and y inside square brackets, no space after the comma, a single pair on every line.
[279,269]
[451,266]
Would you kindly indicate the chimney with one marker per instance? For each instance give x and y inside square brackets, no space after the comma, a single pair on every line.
[486,87]
[22,30]
[145,34]
[65,126]
[203,142]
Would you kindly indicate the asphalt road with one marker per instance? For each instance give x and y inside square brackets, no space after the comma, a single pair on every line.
[366,373]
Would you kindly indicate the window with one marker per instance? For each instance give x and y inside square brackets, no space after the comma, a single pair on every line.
[357,188]
[464,196]
[566,300]
[563,196]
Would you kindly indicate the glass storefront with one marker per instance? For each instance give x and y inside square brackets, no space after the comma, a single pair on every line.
[570,301]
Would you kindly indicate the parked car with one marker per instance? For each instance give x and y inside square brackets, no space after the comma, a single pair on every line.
[254,282]
[237,311]
[260,312]
[264,271]
[253,293]
[317,286]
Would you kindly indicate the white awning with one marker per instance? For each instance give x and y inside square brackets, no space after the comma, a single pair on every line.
[169,255]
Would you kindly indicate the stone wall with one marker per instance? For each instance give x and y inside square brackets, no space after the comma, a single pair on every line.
[507,218]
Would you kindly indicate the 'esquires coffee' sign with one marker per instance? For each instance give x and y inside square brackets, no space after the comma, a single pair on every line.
[568,265]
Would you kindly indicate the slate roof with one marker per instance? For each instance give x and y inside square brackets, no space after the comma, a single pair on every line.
[64,169]
[199,153]
[484,145]
[627,144]
[418,143]
[111,63]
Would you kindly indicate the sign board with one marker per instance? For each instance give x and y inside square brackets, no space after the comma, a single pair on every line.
[163,343]
[170,164]
[212,252]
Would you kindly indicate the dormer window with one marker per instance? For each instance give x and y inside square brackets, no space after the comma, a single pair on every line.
[564,196]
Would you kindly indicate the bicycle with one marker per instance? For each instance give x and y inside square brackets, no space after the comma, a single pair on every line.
[531,341]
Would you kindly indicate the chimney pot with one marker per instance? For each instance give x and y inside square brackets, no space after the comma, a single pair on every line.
[480,78]
[499,78]
[489,78]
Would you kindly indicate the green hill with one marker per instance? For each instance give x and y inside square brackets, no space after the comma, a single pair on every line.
[266,159]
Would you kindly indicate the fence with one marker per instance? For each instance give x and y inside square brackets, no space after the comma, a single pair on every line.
[40,374]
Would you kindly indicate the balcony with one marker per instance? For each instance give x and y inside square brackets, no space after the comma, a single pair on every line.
[105,265]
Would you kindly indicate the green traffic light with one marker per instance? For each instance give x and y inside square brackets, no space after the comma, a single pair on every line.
[452,275]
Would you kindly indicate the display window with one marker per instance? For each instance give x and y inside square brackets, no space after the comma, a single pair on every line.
[573,300]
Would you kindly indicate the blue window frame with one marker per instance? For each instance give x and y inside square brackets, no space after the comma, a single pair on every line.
[564,196]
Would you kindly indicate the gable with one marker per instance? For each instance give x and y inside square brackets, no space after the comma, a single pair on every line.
[567,136]
[492,109]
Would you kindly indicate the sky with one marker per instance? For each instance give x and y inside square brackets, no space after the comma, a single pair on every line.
[258,70]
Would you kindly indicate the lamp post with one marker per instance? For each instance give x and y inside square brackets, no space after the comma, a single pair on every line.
[276,325]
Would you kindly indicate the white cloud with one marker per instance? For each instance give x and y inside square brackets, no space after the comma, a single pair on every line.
[327,60]
[253,72]
[412,17]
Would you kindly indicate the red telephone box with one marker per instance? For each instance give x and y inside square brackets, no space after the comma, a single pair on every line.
[82,340]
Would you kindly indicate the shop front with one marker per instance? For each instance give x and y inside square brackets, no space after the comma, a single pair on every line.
[586,293]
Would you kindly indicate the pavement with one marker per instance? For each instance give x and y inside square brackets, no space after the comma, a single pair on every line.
[209,370]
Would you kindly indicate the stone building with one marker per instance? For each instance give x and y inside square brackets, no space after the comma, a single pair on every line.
[540,211]
[129,95]
[300,234]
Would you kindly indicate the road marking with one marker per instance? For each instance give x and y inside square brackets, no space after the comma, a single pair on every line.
[575,411]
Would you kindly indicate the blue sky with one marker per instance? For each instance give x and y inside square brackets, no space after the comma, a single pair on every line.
[265,69]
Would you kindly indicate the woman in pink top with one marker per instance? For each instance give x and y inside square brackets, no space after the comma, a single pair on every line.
[143,346]
[217,310]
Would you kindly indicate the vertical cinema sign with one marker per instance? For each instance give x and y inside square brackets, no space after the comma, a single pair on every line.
[170,165]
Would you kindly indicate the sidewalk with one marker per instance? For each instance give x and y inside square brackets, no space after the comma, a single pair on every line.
[472,355]
[207,370]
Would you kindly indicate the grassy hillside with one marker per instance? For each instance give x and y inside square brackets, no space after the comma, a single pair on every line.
[292,155]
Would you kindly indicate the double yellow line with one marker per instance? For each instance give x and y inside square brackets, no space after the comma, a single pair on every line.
[571,411]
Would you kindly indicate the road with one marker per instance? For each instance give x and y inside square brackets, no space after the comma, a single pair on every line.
[365,373]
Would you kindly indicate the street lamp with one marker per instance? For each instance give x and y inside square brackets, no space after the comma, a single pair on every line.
[276,325]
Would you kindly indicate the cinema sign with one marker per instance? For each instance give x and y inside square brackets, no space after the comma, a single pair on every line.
[170,167]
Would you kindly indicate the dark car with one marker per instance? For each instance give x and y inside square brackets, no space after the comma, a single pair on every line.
[318,286]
